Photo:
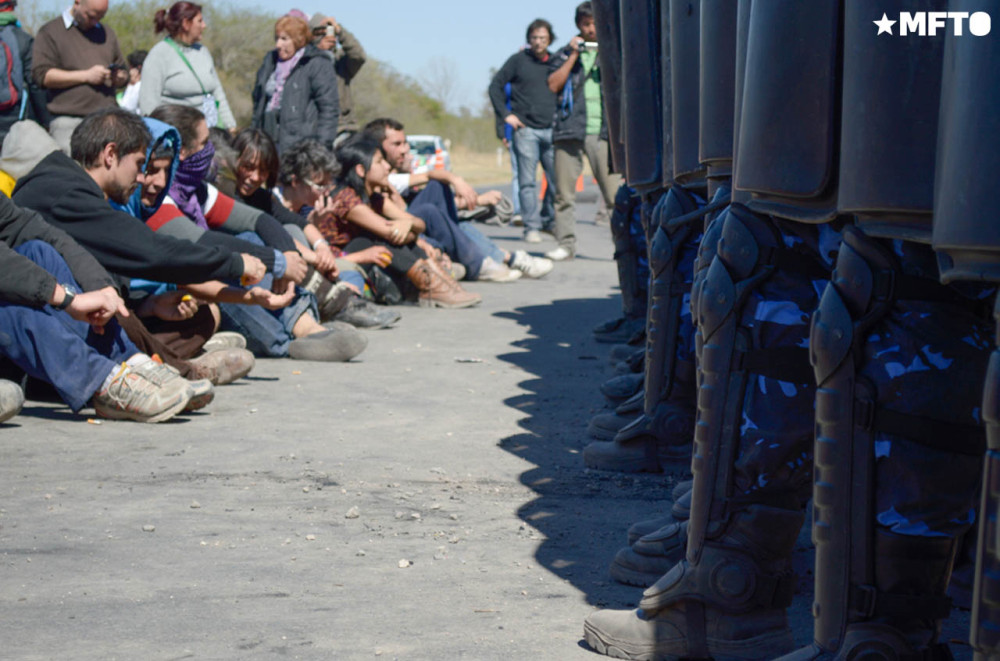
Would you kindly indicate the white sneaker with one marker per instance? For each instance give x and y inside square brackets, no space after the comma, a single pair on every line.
[532,236]
[493,271]
[530,266]
[560,253]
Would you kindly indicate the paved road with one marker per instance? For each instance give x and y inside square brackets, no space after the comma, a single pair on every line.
[411,504]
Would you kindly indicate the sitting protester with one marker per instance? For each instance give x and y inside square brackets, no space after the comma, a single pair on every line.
[289,326]
[109,152]
[430,197]
[357,219]
[251,174]
[57,312]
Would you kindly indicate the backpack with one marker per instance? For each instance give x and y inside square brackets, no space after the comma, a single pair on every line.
[11,70]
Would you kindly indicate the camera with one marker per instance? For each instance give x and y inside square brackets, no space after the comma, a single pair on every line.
[585,46]
[331,31]
[117,67]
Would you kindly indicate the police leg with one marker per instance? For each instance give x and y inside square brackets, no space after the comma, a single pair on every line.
[627,259]
[879,595]
[986,584]
[661,431]
[727,598]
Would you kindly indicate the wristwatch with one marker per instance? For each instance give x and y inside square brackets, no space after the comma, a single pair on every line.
[70,294]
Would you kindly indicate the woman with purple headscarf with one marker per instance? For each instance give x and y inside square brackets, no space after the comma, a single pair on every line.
[295,96]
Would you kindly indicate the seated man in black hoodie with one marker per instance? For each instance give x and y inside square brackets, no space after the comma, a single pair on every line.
[57,308]
[109,150]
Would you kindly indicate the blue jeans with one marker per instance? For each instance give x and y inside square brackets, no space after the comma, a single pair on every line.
[515,190]
[485,244]
[51,346]
[532,146]
[435,205]
[268,332]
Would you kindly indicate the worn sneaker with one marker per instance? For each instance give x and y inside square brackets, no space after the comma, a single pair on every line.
[11,399]
[224,340]
[365,314]
[493,271]
[337,344]
[560,253]
[531,266]
[222,367]
[532,236]
[145,393]
[202,390]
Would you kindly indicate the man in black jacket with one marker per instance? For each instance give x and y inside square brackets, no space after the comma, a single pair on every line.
[57,309]
[532,106]
[579,129]
[109,149]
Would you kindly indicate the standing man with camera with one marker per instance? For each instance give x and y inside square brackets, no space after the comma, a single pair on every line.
[579,129]
[78,62]
[327,33]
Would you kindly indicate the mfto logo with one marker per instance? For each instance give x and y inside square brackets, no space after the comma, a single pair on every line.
[930,23]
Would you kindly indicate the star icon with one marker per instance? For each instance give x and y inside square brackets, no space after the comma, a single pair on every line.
[885,25]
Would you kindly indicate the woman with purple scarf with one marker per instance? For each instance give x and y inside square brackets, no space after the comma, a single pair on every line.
[197,211]
[295,96]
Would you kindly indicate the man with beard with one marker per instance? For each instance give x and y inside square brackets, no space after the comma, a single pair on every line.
[109,152]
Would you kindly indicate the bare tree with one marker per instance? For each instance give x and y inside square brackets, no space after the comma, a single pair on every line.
[440,81]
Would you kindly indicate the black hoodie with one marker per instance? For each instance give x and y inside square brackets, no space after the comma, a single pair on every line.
[67,197]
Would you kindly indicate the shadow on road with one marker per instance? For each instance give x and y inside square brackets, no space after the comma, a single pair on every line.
[580,516]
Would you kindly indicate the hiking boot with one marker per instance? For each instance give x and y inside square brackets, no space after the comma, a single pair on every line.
[438,289]
[337,344]
[493,271]
[144,393]
[727,603]
[529,265]
[224,340]
[651,556]
[222,367]
[365,314]
[11,399]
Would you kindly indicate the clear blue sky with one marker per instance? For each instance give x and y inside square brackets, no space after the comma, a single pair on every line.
[409,35]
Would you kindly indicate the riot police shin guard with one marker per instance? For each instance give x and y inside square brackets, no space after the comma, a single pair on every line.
[662,434]
[986,585]
[627,259]
[879,595]
[727,598]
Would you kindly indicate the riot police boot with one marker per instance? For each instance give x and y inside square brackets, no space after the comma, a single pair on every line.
[619,330]
[646,526]
[726,600]
[604,426]
[648,443]
[898,616]
[634,364]
[651,556]
[617,389]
